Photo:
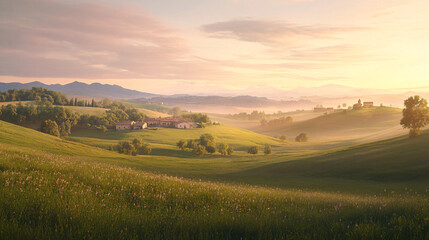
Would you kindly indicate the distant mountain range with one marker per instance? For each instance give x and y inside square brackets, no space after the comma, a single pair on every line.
[96,90]
[238,101]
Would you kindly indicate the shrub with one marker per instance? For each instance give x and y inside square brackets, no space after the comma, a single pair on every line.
[145,149]
[181,144]
[267,149]
[199,149]
[229,150]
[211,149]
[50,127]
[137,146]
[301,137]
[253,150]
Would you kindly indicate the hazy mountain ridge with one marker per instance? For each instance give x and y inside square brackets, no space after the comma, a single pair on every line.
[96,90]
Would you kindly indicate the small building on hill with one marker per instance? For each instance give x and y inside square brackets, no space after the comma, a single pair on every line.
[139,125]
[358,105]
[185,125]
[368,104]
[124,125]
[170,122]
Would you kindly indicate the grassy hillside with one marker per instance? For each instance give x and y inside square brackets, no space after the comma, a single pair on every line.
[255,124]
[55,189]
[238,138]
[87,110]
[395,161]
[348,124]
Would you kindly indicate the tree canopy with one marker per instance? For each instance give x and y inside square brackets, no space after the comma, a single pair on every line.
[415,115]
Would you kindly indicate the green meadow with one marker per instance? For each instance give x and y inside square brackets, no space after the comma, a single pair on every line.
[56,189]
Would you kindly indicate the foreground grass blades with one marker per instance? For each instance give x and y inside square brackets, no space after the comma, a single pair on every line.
[46,195]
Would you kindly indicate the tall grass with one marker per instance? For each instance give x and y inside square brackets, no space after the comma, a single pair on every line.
[53,196]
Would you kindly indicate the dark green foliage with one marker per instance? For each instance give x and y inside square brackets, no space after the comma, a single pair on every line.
[211,148]
[50,127]
[415,115]
[197,117]
[230,150]
[302,137]
[33,94]
[137,146]
[181,144]
[267,149]
[207,139]
[199,149]
[253,150]
[224,149]
[145,149]
[30,113]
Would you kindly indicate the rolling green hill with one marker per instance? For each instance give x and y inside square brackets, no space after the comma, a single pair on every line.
[240,139]
[346,124]
[393,161]
[55,189]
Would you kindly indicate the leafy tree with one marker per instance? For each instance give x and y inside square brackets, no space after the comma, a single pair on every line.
[267,149]
[223,148]
[199,149]
[229,150]
[206,139]
[181,144]
[138,142]
[211,149]
[301,137]
[191,143]
[145,149]
[126,147]
[253,150]
[415,115]
[50,127]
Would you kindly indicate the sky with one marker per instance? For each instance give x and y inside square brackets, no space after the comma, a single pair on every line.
[209,47]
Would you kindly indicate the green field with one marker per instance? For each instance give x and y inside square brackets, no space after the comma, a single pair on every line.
[374,123]
[52,188]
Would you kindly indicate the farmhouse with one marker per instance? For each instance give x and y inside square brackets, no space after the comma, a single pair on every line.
[368,104]
[139,125]
[185,125]
[124,125]
[171,122]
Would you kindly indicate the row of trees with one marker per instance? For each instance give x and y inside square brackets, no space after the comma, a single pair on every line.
[205,144]
[255,149]
[60,122]
[135,147]
[34,94]
[278,122]
[46,114]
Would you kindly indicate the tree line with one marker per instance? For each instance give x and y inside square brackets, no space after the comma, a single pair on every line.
[135,147]
[278,122]
[59,121]
[34,94]
[205,144]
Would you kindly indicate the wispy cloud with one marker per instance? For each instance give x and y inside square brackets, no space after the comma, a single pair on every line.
[272,32]
[46,38]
